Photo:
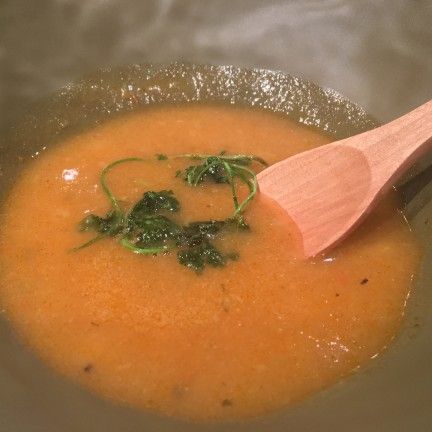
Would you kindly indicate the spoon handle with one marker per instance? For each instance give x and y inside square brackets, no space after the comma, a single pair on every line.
[391,149]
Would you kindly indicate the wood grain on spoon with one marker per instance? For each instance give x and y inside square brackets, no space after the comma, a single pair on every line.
[329,190]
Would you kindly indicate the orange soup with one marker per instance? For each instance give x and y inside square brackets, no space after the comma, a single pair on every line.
[236,341]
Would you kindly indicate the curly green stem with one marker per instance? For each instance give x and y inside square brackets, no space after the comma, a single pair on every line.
[142,251]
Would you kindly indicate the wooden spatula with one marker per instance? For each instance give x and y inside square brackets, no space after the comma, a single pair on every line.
[329,190]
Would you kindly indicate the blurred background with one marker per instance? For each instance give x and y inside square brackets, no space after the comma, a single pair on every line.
[376,52]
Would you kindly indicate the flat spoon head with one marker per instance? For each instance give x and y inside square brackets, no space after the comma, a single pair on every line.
[329,190]
[322,190]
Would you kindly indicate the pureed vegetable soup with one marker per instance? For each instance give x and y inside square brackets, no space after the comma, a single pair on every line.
[235,329]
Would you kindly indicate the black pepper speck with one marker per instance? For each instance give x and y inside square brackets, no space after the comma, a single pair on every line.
[88,368]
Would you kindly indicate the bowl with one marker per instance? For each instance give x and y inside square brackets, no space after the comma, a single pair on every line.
[392,393]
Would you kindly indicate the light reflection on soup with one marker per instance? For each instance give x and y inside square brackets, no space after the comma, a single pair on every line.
[233,342]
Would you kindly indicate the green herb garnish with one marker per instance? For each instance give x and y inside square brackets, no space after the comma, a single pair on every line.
[224,169]
[146,228]
[197,257]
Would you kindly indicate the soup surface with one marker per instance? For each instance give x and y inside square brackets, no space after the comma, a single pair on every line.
[232,342]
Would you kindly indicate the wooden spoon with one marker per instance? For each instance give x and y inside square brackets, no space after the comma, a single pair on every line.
[329,190]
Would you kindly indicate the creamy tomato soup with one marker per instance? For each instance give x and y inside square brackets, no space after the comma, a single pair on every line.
[237,341]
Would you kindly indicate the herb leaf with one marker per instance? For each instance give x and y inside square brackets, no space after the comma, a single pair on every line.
[154,202]
[197,257]
[154,230]
[196,249]
[197,233]
[146,228]
[95,223]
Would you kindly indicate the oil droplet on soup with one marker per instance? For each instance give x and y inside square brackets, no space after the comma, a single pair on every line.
[233,342]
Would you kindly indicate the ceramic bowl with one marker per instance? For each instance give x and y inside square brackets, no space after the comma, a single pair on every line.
[393,393]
